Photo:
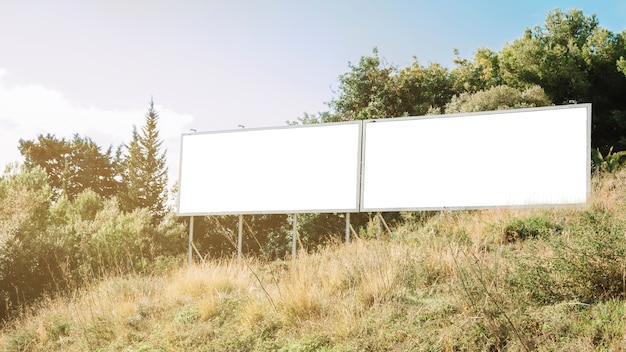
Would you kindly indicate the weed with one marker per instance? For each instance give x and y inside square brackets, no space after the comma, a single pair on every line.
[187,315]
[23,341]
[587,268]
[532,226]
[57,328]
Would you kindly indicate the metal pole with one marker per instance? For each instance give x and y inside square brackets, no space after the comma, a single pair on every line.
[190,250]
[295,234]
[240,237]
[347,227]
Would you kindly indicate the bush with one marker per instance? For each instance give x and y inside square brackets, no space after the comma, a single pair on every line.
[48,247]
[497,98]
[532,226]
[585,263]
[611,162]
[24,199]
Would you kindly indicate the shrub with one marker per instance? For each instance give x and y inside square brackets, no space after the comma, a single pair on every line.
[48,247]
[533,226]
[611,162]
[585,263]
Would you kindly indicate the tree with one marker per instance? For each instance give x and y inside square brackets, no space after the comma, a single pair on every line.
[366,91]
[480,74]
[420,89]
[574,59]
[373,89]
[144,169]
[72,165]
[552,56]
[50,247]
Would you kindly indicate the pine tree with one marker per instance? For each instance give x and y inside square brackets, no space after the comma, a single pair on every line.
[145,170]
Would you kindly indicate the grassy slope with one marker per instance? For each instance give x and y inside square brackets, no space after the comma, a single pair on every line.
[547,279]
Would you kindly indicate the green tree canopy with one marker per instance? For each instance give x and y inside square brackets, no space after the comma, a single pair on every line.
[420,89]
[366,91]
[573,59]
[72,165]
[569,59]
[479,74]
[374,89]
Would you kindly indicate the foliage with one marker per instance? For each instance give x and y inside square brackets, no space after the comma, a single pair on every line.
[480,74]
[573,59]
[610,162]
[24,198]
[320,117]
[585,260]
[422,88]
[447,282]
[569,59]
[62,223]
[587,268]
[48,247]
[374,89]
[144,169]
[72,165]
[621,65]
[552,56]
[497,98]
[533,226]
[364,92]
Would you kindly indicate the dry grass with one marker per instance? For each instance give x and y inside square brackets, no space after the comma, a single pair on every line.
[443,284]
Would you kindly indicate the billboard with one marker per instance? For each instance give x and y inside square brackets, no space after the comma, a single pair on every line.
[523,157]
[312,168]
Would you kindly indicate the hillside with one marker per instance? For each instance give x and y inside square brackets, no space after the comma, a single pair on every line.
[515,280]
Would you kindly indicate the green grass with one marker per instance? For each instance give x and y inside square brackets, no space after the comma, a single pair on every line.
[492,280]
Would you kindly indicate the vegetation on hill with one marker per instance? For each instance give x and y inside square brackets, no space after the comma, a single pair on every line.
[517,280]
[65,218]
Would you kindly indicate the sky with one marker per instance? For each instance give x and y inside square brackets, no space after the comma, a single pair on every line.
[92,66]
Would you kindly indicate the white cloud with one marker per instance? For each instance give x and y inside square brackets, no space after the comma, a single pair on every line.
[29,110]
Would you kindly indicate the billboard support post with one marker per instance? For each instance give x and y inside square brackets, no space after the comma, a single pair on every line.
[347,227]
[384,223]
[190,249]
[294,235]
[240,237]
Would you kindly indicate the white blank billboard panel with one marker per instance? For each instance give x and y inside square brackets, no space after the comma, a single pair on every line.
[293,169]
[513,158]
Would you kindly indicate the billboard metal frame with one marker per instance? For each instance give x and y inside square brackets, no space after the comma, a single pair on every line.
[495,115]
[255,180]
